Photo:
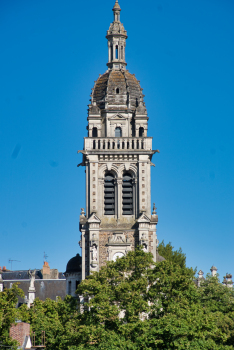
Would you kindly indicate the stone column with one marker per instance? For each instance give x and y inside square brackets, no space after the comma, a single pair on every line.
[135,197]
[83,253]
[87,186]
[119,197]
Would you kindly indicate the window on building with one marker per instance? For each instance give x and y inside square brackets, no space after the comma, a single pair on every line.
[118,132]
[77,284]
[69,288]
[141,132]
[94,132]
[109,194]
[116,52]
[117,90]
[127,195]
[111,52]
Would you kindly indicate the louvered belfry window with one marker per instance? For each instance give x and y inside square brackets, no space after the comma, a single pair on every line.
[109,194]
[127,194]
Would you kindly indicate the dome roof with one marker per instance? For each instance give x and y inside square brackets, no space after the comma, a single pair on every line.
[119,89]
[74,264]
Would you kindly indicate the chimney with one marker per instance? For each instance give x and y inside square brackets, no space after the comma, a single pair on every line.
[46,271]
[4,268]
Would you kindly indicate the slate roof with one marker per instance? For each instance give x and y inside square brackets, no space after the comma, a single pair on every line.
[44,288]
[129,90]
[19,275]
[159,258]
[74,264]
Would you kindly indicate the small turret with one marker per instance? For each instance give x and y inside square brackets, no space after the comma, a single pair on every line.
[213,271]
[227,280]
[116,36]
[200,277]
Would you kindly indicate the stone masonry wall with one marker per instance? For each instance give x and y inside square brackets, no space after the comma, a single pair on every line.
[103,240]
[151,233]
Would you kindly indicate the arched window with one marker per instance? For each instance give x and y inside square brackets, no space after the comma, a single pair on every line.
[117,90]
[77,284]
[109,194]
[127,195]
[118,132]
[141,132]
[94,132]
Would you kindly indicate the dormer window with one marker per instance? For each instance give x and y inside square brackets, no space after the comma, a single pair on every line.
[117,90]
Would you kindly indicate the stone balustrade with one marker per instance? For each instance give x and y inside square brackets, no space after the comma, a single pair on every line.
[118,143]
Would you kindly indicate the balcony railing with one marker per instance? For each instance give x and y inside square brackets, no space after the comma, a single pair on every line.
[118,143]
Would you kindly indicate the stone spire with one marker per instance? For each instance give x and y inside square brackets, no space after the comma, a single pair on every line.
[116,36]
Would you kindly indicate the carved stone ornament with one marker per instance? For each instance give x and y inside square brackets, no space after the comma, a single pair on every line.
[119,239]
[94,263]
[144,241]
[94,240]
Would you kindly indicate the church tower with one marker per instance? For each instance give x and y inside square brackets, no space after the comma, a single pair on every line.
[117,159]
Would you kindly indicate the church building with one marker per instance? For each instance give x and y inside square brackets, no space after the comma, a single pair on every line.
[117,158]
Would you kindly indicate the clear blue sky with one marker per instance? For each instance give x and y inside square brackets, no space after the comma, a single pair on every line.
[51,53]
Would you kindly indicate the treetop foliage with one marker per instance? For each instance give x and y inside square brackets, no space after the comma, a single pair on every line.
[134,303]
[175,256]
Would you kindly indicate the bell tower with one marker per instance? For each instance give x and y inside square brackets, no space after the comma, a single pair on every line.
[117,157]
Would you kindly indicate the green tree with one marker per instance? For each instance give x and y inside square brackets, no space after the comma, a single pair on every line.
[176,256]
[219,300]
[8,313]
[52,317]
[134,303]
[160,308]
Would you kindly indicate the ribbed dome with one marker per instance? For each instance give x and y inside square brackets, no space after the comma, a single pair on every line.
[74,264]
[119,88]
